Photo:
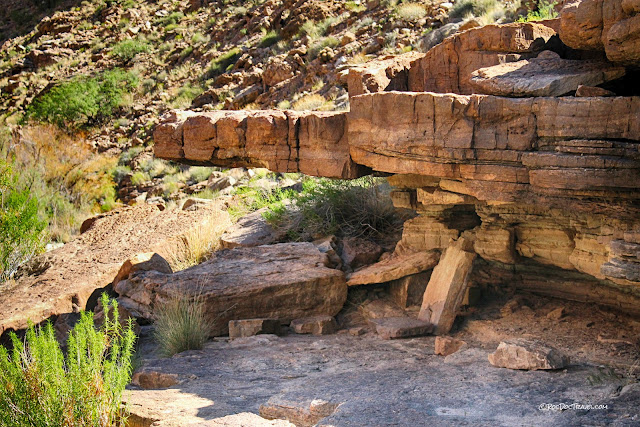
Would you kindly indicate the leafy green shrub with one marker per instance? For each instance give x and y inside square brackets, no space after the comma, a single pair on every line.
[41,387]
[269,39]
[181,325]
[471,7]
[251,199]
[21,230]
[171,19]
[544,10]
[199,173]
[185,96]
[84,101]
[139,178]
[411,12]
[318,45]
[221,63]
[126,50]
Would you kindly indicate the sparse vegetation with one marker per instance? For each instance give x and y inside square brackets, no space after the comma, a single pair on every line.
[181,325]
[42,386]
[269,39]
[224,61]
[126,50]
[471,7]
[311,102]
[544,10]
[411,12]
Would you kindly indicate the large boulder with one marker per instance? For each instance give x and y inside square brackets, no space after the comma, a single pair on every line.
[527,355]
[284,281]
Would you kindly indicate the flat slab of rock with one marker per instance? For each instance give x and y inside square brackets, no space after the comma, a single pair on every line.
[315,325]
[284,281]
[400,327]
[445,346]
[250,327]
[394,268]
[446,288]
[301,413]
[542,77]
[250,230]
[527,355]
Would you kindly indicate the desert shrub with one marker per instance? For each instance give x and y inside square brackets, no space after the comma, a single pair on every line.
[355,7]
[21,229]
[181,325]
[221,63]
[471,7]
[171,19]
[544,10]
[411,12]
[84,101]
[130,154]
[126,50]
[198,38]
[318,45]
[41,386]
[139,178]
[251,198]
[315,30]
[199,173]
[356,208]
[185,95]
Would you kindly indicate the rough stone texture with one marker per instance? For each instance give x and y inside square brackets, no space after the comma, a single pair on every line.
[153,380]
[301,413]
[445,346]
[357,252]
[447,67]
[587,91]
[446,288]
[250,327]
[395,267]
[542,77]
[250,230]
[408,291]
[401,327]
[387,73]
[612,26]
[528,355]
[148,261]
[315,325]
[380,309]
[284,281]
[313,143]
[67,278]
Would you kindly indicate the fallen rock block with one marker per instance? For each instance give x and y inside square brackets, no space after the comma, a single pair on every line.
[153,380]
[556,314]
[302,414]
[148,261]
[250,327]
[380,308]
[285,281]
[357,252]
[587,91]
[527,355]
[394,268]
[400,327]
[316,325]
[447,345]
[250,230]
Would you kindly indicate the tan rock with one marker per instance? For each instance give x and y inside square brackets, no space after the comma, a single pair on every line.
[380,309]
[394,268]
[590,91]
[300,413]
[388,73]
[250,327]
[447,287]
[315,325]
[148,261]
[445,346]
[527,355]
[408,291]
[284,281]
[401,327]
[153,380]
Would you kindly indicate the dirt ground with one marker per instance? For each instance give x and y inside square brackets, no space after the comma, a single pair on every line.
[346,380]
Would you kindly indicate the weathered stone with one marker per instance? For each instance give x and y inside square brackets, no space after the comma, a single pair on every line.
[315,325]
[408,291]
[250,230]
[590,91]
[401,327]
[387,73]
[195,203]
[250,327]
[527,355]
[446,288]
[556,314]
[393,268]
[445,346]
[300,413]
[357,252]
[284,281]
[149,261]
[542,77]
[379,309]
[153,380]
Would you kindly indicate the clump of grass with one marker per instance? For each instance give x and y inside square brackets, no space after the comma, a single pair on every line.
[411,12]
[200,173]
[221,63]
[185,96]
[181,325]
[269,39]
[465,8]
[126,50]
[310,102]
[318,45]
[171,19]
[139,178]
[41,386]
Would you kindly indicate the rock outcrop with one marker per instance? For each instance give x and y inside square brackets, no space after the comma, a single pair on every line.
[545,188]
[286,281]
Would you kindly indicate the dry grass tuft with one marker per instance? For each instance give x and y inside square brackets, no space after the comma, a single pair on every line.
[181,325]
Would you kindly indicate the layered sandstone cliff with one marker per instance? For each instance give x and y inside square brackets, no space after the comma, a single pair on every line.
[545,187]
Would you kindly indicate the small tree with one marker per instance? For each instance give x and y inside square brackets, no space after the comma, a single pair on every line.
[21,230]
[39,386]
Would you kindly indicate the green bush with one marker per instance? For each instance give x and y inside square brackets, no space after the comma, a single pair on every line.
[471,7]
[411,12]
[544,10]
[40,386]
[84,101]
[126,50]
[21,230]
[269,39]
[181,325]
[221,63]
[171,19]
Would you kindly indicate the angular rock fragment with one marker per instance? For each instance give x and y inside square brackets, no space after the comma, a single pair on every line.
[393,268]
[357,252]
[153,380]
[401,327]
[250,327]
[302,413]
[284,281]
[445,346]
[527,355]
[315,325]
[148,261]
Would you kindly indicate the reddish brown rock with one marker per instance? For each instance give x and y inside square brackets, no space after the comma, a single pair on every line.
[590,91]
[315,325]
[393,268]
[250,327]
[153,380]
[387,73]
[401,327]
[527,355]
[445,346]
[357,252]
